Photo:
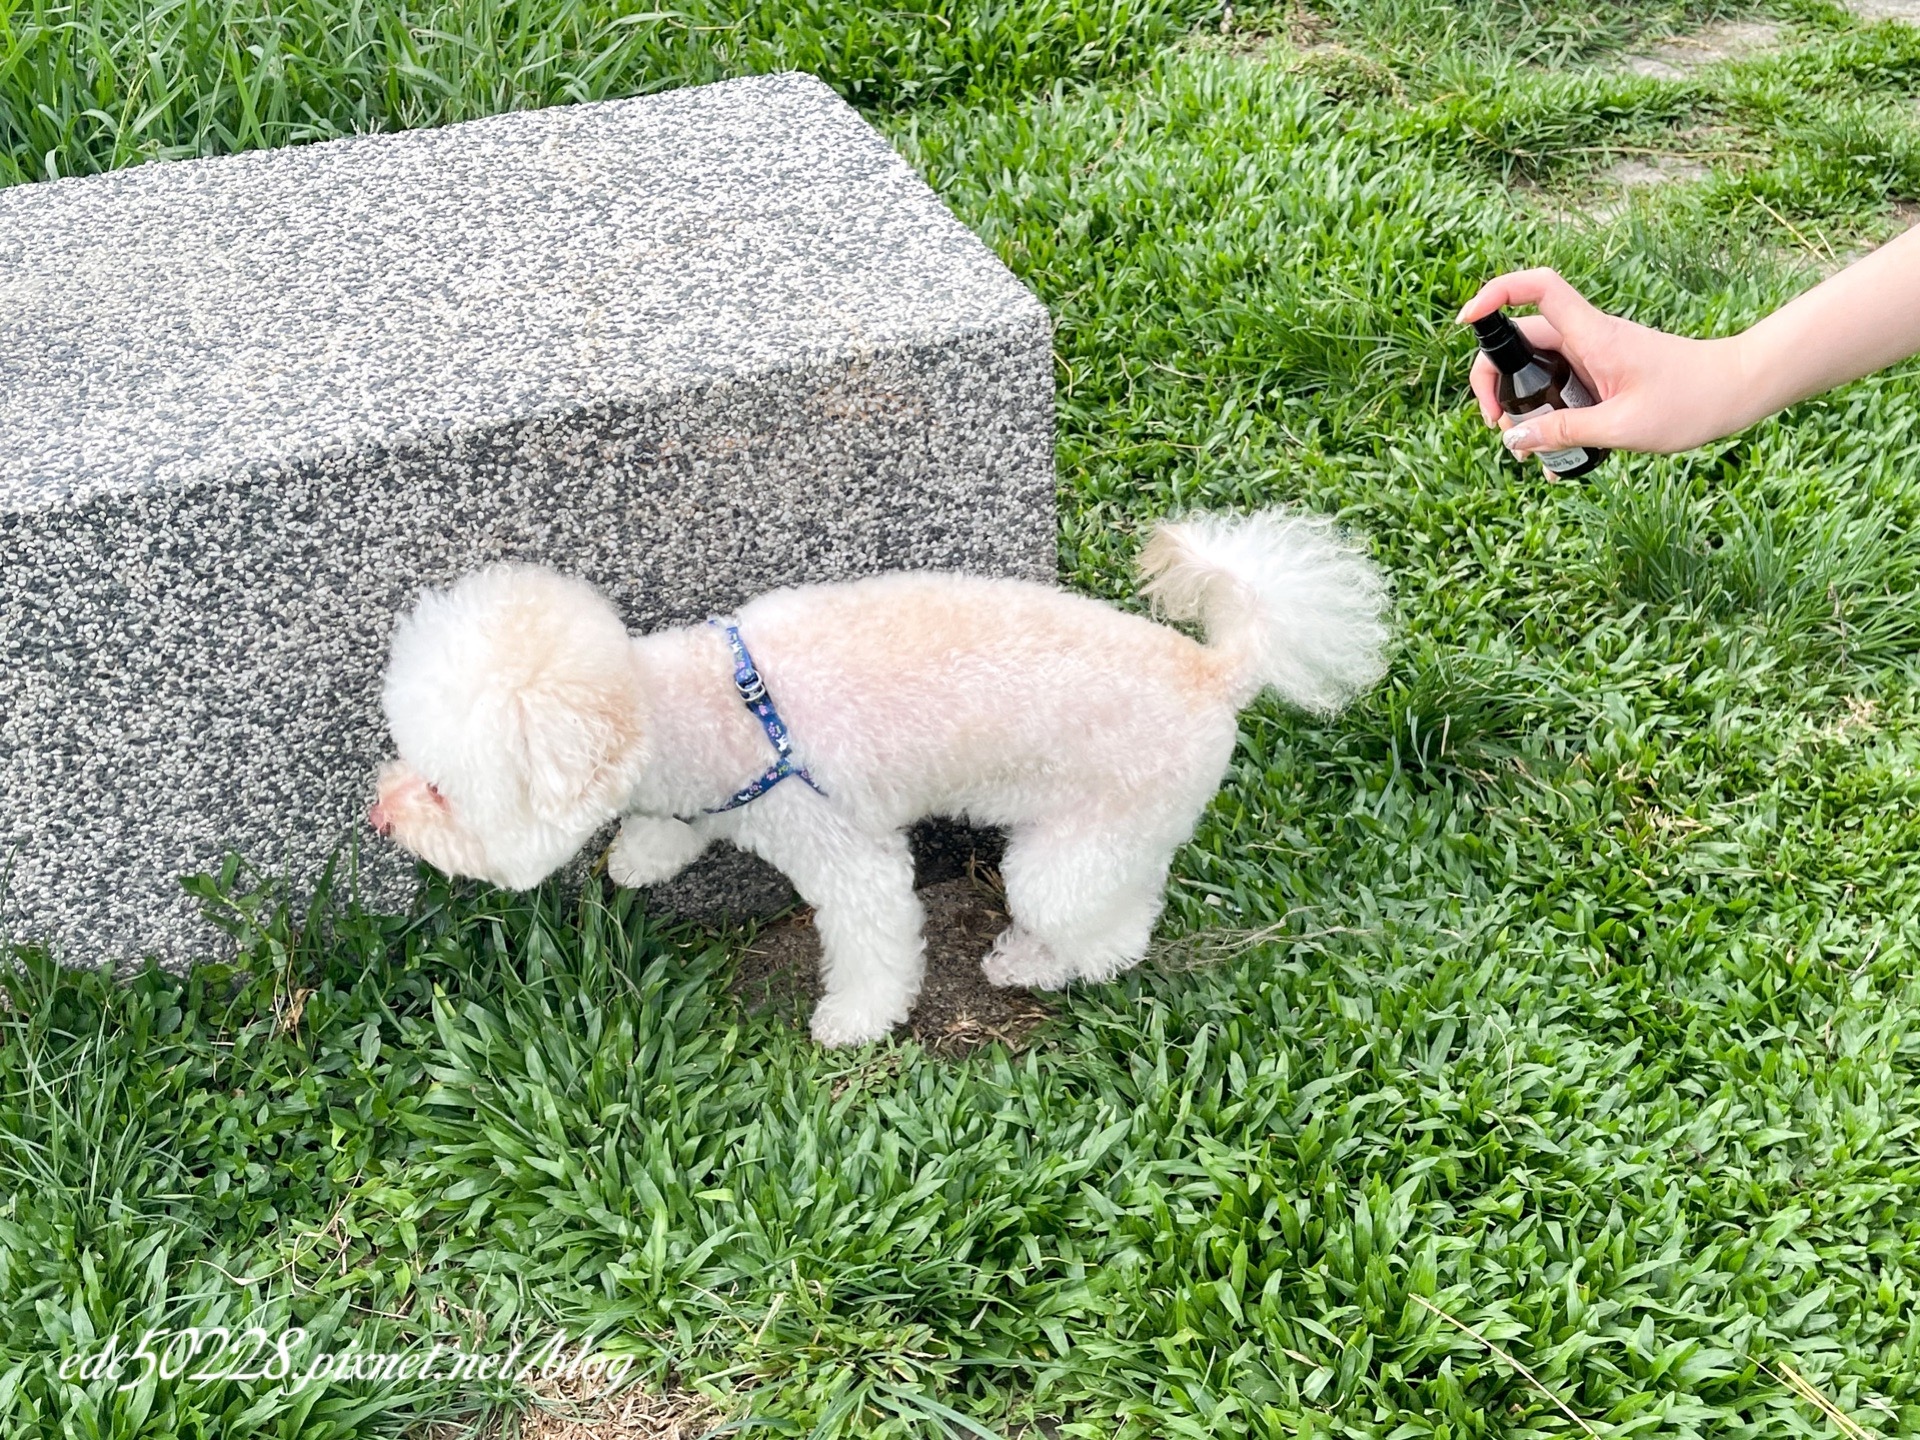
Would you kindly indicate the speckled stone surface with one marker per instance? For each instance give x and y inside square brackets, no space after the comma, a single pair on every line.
[690,346]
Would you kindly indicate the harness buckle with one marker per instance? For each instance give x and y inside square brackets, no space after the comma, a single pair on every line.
[753,690]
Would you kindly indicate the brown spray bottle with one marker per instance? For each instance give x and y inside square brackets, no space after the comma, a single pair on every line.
[1534,380]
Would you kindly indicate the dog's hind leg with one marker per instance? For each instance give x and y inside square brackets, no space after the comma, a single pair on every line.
[860,885]
[1083,905]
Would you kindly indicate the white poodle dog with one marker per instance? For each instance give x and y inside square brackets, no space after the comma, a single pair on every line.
[816,725]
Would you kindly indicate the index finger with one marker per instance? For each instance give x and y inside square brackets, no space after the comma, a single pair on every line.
[1556,299]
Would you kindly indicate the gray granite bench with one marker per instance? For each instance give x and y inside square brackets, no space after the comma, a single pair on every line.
[689,346]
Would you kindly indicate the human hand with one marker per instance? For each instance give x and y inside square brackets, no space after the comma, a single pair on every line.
[1655,391]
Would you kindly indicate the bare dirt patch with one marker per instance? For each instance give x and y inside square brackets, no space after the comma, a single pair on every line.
[1636,172]
[1680,56]
[564,1414]
[1339,73]
[1640,172]
[575,1409]
[1870,10]
[1613,188]
[1252,29]
[958,1011]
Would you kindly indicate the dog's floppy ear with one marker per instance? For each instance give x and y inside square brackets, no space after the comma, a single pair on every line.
[580,742]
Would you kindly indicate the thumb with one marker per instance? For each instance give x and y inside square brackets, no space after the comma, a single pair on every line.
[1559,430]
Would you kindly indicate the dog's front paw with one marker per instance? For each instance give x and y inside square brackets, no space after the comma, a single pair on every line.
[651,850]
[846,1020]
[1019,958]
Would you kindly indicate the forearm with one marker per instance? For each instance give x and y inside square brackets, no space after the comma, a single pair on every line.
[1854,323]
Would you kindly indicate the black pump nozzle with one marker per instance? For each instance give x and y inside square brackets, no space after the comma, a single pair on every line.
[1503,343]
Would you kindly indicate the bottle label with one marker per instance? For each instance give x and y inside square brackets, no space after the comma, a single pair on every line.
[1574,455]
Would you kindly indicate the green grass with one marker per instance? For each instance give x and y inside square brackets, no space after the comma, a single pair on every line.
[1565,986]
[88,85]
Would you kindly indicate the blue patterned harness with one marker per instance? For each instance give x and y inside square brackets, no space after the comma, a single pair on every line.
[753,691]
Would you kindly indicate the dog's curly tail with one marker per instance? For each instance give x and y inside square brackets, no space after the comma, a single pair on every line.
[1285,601]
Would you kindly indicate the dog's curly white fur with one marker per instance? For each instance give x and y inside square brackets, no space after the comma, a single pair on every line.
[527,718]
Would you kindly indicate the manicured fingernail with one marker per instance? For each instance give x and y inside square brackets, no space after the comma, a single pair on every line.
[1520,437]
[1461,318]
